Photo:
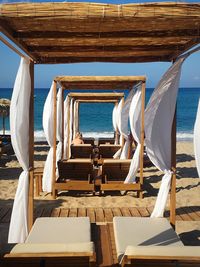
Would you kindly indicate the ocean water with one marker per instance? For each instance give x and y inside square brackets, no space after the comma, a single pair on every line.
[96,119]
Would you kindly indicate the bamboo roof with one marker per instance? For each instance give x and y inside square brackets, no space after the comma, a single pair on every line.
[96,97]
[99,82]
[91,32]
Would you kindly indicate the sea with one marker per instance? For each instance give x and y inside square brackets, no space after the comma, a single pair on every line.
[96,118]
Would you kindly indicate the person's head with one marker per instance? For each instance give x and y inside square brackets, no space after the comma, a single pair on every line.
[79,135]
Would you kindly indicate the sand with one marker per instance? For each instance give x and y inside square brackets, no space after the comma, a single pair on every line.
[188,189]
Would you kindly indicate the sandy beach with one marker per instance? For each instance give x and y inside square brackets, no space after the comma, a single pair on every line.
[188,190]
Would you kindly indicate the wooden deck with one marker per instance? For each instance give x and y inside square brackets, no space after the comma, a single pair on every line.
[102,227]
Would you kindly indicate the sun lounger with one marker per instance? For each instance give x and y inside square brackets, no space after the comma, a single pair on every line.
[106,141]
[114,172]
[108,150]
[55,242]
[81,151]
[75,174]
[149,242]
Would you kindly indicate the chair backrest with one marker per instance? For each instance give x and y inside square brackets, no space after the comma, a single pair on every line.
[106,141]
[81,151]
[107,151]
[88,140]
[75,169]
[115,169]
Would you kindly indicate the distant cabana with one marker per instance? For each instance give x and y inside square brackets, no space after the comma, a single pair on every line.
[94,82]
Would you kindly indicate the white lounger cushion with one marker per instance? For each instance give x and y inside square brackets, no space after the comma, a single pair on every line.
[134,231]
[53,248]
[163,251]
[60,230]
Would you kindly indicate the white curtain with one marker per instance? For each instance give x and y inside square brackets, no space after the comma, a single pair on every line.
[75,129]
[59,125]
[114,121]
[135,124]
[66,126]
[159,116]
[124,124]
[71,124]
[197,139]
[19,128]
[48,131]
[117,120]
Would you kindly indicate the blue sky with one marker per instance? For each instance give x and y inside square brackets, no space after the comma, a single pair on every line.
[9,62]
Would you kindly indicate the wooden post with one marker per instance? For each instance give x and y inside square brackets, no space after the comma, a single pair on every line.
[63,119]
[31,150]
[173,180]
[142,139]
[54,138]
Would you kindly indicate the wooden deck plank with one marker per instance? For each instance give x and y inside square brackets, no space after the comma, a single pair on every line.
[99,215]
[126,212]
[196,210]
[37,213]
[134,212]
[64,212]
[113,245]
[116,212]
[3,212]
[46,212]
[108,215]
[82,212]
[73,212]
[90,213]
[191,213]
[56,212]
[7,216]
[184,215]
[143,211]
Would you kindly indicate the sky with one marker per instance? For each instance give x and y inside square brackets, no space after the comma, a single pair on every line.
[44,74]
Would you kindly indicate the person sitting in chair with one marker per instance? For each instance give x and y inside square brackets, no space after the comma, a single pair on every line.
[78,140]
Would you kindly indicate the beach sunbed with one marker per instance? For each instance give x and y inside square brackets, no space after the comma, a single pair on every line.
[108,150]
[75,174]
[106,141]
[38,173]
[55,242]
[150,242]
[114,172]
[81,151]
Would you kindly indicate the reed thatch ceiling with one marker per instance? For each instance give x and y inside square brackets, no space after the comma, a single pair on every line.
[99,82]
[91,32]
[96,97]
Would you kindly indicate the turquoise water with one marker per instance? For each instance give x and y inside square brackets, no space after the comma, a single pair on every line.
[96,119]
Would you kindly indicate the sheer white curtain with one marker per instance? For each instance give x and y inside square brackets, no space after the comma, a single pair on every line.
[19,128]
[114,121]
[119,126]
[59,125]
[159,116]
[135,124]
[197,139]
[66,126]
[124,124]
[48,131]
[75,129]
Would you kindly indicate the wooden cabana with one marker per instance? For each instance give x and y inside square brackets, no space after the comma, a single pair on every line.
[53,33]
[96,83]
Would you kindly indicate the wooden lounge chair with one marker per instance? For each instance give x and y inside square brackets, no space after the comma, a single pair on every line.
[38,173]
[88,140]
[75,174]
[106,141]
[108,150]
[114,172]
[81,151]
[150,242]
[55,242]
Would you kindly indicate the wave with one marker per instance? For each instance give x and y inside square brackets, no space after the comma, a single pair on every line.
[39,135]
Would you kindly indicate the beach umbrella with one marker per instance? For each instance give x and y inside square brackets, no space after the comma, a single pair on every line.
[4,110]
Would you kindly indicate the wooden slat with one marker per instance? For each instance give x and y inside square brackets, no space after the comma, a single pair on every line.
[191,213]
[3,212]
[108,215]
[81,212]
[46,212]
[134,212]
[91,214]
[73,212]
[99,215]
[125,212]
[56,212]
[38,213]
[116,212]
[6,217]
[64,212]
[144,212]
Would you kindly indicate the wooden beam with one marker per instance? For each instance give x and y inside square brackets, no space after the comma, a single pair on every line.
[31,150]
[122,59]
[54,138]
[9,33]
[184,32]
